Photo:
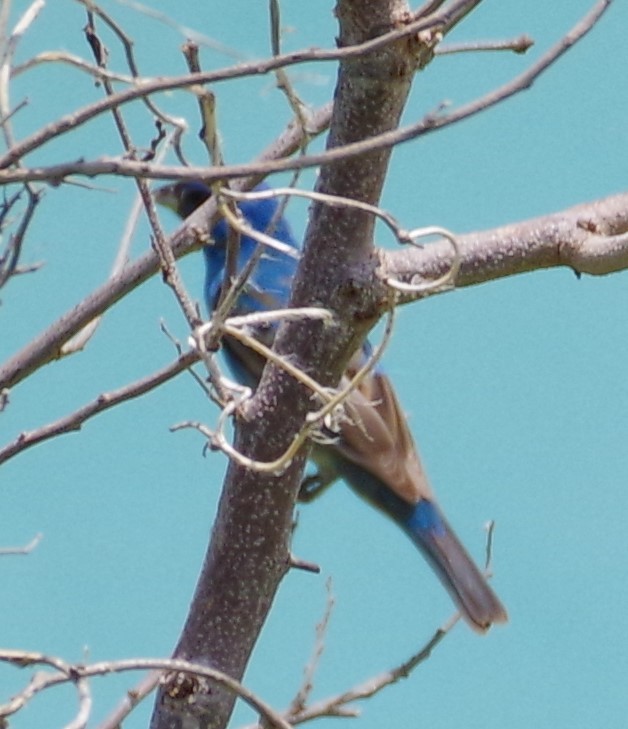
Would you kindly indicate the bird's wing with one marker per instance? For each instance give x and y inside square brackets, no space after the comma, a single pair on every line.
[375,436]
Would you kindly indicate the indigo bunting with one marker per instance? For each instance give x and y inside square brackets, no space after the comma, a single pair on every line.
[374,451]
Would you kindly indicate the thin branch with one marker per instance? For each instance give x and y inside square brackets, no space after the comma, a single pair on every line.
[170,271]
[430,123]
[75,420]
[133,697]
[233,326]
[339,705]
[440,284]
[297,106]
[457,11]
[299,702]
[48,345]
[45,347]
[589,238]
[65,673]
[10,257]
[160,244]
[95,72]
[78,673]
[521,44]
[317,423]
[150,86]
[428,8]
[402,235]
[296,563]
[178,122]
[8,50]
[239,223]
[80,339]
[26,549]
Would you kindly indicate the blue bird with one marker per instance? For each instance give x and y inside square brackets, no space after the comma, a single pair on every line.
[374,452]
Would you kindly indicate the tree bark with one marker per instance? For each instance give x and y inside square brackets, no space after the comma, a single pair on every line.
[248,553]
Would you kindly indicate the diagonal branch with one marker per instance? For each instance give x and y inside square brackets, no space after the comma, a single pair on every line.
[107,400]
[382,141]
[48,345]
[590,238]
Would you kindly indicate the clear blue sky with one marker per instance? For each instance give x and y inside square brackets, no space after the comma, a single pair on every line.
[516,390]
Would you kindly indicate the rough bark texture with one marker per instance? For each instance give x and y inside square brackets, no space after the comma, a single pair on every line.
[590,238]
[248,553]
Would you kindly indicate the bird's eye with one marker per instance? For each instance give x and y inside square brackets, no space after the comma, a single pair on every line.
[193,199]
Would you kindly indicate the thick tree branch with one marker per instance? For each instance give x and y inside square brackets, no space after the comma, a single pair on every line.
[238,581]
[382,46]
[589,238]
[249,550]
[48,345]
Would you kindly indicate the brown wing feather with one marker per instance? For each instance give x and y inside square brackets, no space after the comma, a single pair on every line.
[377,438]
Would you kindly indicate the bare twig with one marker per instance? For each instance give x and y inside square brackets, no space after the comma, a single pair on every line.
[521,44]
[428,8]
[151,86]
[382,141]
[160,243]
[80,339]
[242,226]
[78,673]
[589,238]
[455,12]
[296,563]
[440,284]
[207,107]
[318,423]
[48,345]
[340,704]
[26,549]
[65,673]
[178,123]
[10,256]
[283,81]
[307,685]
[402,235]
[133,697]
[75,420]
[9,46]
[96,72]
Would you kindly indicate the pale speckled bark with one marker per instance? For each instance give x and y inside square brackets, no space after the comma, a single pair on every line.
[248,553]
[590,238]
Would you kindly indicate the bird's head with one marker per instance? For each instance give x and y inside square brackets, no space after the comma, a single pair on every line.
[182,197]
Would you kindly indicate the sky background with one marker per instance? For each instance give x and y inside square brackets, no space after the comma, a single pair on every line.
[517,393]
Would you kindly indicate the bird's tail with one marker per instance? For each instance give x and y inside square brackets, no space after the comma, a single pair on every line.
[429,530]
